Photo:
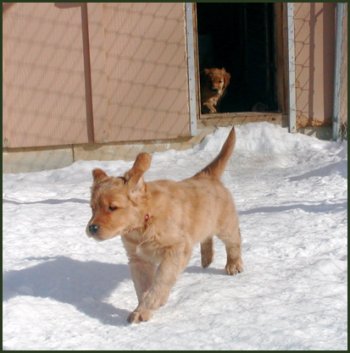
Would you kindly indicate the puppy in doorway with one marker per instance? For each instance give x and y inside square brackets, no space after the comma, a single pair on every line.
[214,82]
[160,221]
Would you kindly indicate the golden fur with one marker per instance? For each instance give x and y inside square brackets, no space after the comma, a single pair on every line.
[160,221]
[213,87]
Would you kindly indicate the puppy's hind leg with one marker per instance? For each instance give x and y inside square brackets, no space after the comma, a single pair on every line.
[207,252]
[232,241]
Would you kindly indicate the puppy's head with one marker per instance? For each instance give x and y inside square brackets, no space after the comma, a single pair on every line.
[217,79]
[117,202]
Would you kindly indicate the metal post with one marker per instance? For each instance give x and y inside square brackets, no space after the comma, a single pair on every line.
[191,69]
[291,68]
[337,67]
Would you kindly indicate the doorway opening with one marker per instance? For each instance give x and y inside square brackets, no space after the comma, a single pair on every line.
[240,37]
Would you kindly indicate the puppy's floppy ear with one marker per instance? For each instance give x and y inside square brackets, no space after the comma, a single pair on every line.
[99,175]
[205,76]
[227,77]
[134,175]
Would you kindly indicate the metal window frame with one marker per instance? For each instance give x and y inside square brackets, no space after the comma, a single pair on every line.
[291,68]
[191,68]
[337,68]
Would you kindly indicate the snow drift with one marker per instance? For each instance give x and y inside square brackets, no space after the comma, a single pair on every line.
[62,290]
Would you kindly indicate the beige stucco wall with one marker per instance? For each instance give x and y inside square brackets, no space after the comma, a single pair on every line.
[135,56]
[43,76]
[314,61]
[139,71]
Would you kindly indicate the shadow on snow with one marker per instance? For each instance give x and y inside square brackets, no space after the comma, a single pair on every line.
[84,285]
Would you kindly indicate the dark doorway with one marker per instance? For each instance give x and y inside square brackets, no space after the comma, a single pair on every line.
[240,38]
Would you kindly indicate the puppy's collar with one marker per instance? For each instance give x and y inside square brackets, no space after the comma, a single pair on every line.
[146,220]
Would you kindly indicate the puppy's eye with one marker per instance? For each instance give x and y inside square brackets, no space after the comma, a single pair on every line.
[112,208]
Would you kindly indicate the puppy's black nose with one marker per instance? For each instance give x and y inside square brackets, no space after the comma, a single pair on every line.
[93,229]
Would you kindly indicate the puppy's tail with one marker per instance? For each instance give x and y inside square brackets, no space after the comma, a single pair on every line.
[216,168]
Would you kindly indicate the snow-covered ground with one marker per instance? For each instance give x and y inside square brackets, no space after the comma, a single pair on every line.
[63,290]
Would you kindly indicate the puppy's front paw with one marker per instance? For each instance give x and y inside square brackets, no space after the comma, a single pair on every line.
[234,268]
[139,315]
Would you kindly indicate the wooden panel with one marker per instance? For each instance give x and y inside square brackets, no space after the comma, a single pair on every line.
[139,71]
[43,76]
[314,62]
[229,119]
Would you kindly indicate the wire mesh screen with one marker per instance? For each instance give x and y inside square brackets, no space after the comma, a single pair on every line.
[80,73]
[43,76]
[139,71]
[126,79]
[314,58]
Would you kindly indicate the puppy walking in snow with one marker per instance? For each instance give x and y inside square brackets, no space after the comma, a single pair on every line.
[160,221]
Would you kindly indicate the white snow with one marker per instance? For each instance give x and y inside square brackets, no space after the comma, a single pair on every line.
[62,290]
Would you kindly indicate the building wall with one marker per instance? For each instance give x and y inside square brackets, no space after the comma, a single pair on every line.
[139,71]
[43,76]
[101,72]
[314,62]
[118,71]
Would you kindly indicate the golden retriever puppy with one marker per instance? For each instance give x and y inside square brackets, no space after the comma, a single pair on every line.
[160,221]
[213,87]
